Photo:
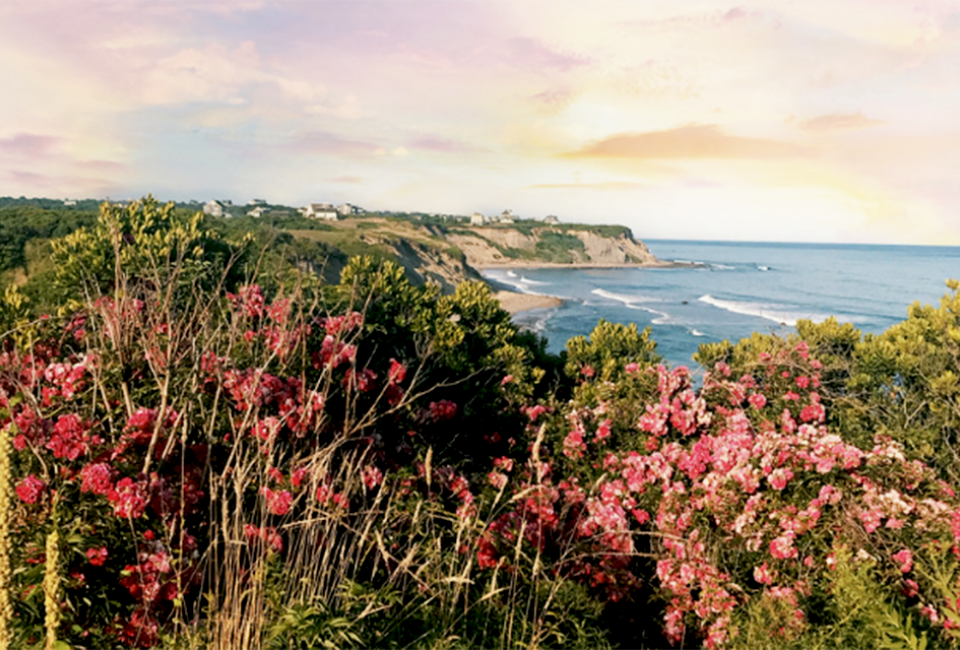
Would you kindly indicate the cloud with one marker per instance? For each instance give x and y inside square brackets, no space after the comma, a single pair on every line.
[685,142]
[440,145]
[314,142]
[350,180]
[610,185]
[29,145]
[554,99]
[715,19]
[530,53]
[838,122]
[350,109]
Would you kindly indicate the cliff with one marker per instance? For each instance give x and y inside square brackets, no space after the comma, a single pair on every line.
[450,254]
[581,246]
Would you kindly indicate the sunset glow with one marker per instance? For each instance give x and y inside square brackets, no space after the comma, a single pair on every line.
[786,121]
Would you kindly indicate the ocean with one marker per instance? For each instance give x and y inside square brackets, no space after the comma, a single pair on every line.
[742,287]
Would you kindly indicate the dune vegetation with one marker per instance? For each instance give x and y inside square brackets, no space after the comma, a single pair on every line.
[208,444]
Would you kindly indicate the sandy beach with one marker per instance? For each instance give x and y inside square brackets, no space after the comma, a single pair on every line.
[532,264]
[514,302]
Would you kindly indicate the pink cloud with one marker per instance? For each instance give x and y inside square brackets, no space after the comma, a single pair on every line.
[685,142]
[554,97]
[717,18]
[838,122]
[531,53]
[29,145]
[440,145]
[330,143]
[351,180]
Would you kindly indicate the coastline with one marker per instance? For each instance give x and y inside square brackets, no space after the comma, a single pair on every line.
[514,302]
[533,264]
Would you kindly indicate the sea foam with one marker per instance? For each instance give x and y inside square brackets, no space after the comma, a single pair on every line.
[777,313]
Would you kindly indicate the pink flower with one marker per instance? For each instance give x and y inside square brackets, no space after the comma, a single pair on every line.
[69,438]
[128,499]
[296,479]
[266,534]
[497,479]
[278,502]
[397,372]
[97,556]
[871,519]
[757,400]
[632,368]
[533,412]
[96,479]
[372,476]
[442,410]
[762,574]
[573,445]
[910,588]
[782,547]
[603,431]
[30,488]
[779,477]
[905,559]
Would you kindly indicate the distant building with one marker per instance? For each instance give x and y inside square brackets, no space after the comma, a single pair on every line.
[477,219]
[217,208]
[69,202]
[320,211]
[507,216]
[257,202]
[551,219]
[257,212]
[348,209]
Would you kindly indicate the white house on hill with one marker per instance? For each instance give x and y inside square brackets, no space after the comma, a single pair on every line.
[217,208]
[477,219]
[320,211]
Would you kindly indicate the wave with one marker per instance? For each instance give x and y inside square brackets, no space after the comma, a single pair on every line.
[511,274]
[694,331]
[525,280]
[630,302]
[721,267]
[627,300]
[777,313]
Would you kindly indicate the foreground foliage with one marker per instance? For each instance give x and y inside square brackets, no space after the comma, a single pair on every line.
[200,451]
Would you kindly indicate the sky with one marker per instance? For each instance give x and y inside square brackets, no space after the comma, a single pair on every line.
[816,121]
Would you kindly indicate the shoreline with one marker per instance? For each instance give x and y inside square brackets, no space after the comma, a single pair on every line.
[533,264]
[515,302]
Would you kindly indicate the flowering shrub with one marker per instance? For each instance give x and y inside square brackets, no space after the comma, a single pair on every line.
[747,494]
[401,468]
[178,442]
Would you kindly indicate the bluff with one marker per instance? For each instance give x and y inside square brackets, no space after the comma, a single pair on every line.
[574,245]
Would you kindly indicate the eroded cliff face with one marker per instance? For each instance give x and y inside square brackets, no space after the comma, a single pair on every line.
[614,250]
[424,264]
[490,247]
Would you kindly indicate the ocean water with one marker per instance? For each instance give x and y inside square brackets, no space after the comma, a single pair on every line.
[741,288]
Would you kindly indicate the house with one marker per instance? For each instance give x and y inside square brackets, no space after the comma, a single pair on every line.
[348,209]
[69,202]
[257,212]
[477,219]
[551,219]
[506,216]
[218,208]
[256,202]
[320,211]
